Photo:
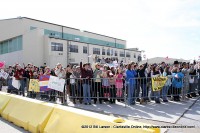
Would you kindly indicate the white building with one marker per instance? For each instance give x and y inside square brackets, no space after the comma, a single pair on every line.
[25,40]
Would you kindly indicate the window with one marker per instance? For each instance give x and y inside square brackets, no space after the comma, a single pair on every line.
[73,48]
[103,52]
[84,49]
[56,46]
[11,45]
[121,54]
[128,54]
[108,51]
[96,51]
[134,55]
[112,52]
[116,53]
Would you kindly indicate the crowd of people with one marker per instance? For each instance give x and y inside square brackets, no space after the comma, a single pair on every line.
[129,82]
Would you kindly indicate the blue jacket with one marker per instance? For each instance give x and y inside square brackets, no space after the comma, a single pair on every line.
[177,82]
[130,76]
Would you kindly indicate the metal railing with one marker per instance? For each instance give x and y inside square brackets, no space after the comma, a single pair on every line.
[112,90]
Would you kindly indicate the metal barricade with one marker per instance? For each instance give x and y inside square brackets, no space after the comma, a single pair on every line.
[112,90]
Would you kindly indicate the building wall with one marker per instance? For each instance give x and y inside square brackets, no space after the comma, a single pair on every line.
[11,28]
[33,47]
[12,58]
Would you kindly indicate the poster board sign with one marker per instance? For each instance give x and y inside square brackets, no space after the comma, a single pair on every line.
[34,85]
[158,83]
[43,82]
[56,84]
[16,83]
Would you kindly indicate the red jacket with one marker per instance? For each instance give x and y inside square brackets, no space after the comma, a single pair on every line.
[19,73]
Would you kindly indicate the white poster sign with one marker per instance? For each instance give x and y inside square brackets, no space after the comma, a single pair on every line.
[16,83]
[56,84]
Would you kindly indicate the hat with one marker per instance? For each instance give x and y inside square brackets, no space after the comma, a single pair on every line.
[58,64]
[77,66]
[74,66]
[176,62]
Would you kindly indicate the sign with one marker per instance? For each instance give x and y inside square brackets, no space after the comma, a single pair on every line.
[56,84]
[16,83]
[34,85]
[44,80]
[158,83]
[2,64]
[4,74]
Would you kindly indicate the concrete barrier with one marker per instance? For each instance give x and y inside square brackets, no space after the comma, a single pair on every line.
[30,114]
[71,120]
[4,99]
[38,117]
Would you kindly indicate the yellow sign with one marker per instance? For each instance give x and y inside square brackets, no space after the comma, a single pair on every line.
[34,85]
[158,83]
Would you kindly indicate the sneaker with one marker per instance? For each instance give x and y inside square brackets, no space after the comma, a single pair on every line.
[165,101]
[90,104]
[85,103]
[158,102]
[189,96]
[137,100]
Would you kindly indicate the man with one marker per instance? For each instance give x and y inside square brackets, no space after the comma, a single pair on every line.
[143,82]
[86,75]
[97,84]
[163,65]
[186,71]
[19,76]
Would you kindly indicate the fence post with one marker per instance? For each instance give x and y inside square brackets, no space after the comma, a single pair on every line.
[125,93]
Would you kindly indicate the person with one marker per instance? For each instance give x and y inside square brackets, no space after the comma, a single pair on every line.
[112,89]
[193,81]
[19,76]
[60,73]
[68,73]
[86,76]
[156,73]
[130,78]
[162,67]
[77,74]
[186,71]
[45,95]
[177,83]
[105,83]
[73,84]
[119,83]
[143,83]
[166,73]
[97,84]
[11,74]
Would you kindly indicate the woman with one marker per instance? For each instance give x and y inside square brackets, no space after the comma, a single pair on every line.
[177,83]
[130,79]
[168,83]
[60,73]
[156,73]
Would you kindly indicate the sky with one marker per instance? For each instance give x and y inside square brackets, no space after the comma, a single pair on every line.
[162,28]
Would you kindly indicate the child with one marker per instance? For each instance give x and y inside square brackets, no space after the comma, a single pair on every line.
[119,83]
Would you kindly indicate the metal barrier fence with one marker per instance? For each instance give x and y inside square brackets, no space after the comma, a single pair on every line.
[128,91]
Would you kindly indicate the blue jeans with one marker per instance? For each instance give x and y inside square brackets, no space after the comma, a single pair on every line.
[165,92]
[86,93]
[10,87]
[131,92]
[22,86]
[144,91]
[157,95]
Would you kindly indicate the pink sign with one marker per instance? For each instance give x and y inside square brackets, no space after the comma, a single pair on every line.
[2,64]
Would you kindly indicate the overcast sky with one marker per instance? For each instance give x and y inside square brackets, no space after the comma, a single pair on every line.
[160,27]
